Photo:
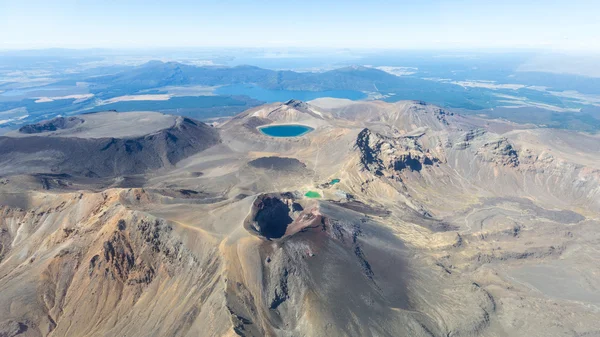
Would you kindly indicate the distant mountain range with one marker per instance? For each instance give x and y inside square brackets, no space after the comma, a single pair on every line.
[158,74]
[520,97]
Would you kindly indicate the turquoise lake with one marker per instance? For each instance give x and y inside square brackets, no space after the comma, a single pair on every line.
[291,130]
[270,96]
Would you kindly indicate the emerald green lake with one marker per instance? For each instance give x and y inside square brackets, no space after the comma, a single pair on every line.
[312,194]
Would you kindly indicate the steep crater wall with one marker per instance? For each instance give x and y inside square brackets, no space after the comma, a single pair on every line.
[105,157]
[271,214]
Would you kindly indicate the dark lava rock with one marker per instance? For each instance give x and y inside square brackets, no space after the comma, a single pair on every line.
[12,328]
[277,163]
[407,161]
[297,104]
[368,155]
[58,123]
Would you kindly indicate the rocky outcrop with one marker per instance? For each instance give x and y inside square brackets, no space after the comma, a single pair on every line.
[12,328]
[58,123]
[488,147]
[499,151]
[420,107]
[297,104]
[386,156]
[466,140]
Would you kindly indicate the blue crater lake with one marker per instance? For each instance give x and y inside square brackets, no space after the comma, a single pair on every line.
[270,96]
[289,130]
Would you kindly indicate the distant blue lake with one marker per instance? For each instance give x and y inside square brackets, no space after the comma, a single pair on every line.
[290,130]
[21,92]
[269,96]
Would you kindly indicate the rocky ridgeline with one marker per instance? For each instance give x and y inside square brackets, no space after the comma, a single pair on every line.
[105,157]
[58,123]
[488,147]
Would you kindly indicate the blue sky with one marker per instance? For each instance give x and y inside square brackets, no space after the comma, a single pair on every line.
[556,25]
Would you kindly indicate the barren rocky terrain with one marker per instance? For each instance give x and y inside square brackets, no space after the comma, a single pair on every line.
[146,224]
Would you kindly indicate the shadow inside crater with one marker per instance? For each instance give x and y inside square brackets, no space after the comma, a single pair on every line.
[272,217]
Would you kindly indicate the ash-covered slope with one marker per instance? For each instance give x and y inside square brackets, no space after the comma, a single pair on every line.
[402,116]
[440,159]
[86,265]
[104,144]
[243,134]
[100,268]
[425,223]
[292,111]
[332,270]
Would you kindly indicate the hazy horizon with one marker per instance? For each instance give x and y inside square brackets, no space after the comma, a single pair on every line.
[559,26]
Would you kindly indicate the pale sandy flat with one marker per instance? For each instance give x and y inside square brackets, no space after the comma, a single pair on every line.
[77,98]
[112,124]
[127,98]
[331,103]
